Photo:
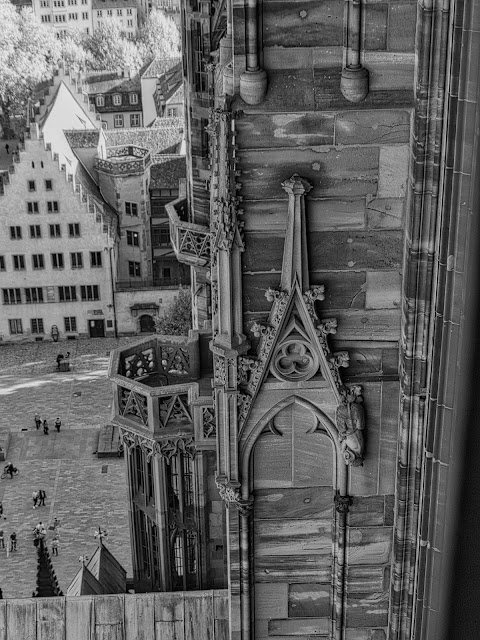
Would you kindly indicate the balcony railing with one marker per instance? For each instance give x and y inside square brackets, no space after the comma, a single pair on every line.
[124,159]
[191,242]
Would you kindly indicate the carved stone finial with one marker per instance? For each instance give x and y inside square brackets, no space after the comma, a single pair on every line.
[230,494]
[295,259]
[350,424]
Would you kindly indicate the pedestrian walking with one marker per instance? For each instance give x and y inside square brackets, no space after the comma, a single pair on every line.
[1,511]
[45,427]
[7,148]
[60,357]
[41,497]
[35,499]
[2,539]
[13,541]
[58,424]
[38,421]
[1,594]
[55,547]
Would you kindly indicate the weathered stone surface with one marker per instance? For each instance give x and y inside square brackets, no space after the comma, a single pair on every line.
[369,545]
[365,579]
[309,600]
[402,19]
[385,213]
[293,503]
[367,610]
[375,26]
[365,634]
[388,436]
[346,173]
[299,626]
[393,173]
[356,324]
[271,601]
[383,289]
[358,127]
[293,569]
[390,71]
[285,130]
[321,214]
[303,23]
[366,511]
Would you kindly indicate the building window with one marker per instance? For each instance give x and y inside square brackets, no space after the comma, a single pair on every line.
[34,295]
[133,96]
[129,12]
[73,16]
[36,325]
[109,13]
[172,112]
[15,233]
[133,238]
[74,230]
[52,206]
[134,269]
[119,12]
[46,18]
[70,324]
[19,263]
[99,14]
[44,3]
[48,185]
[118,121]
[134,119]
[67,294]
[104,124]
[76,260]
[35,231]
[72,2]
[61,18]
[2,263]
[31,185]
[12,296]
[130,24]
[85,15]
[131,208]
[15,326]
[90,292]
[38,261]
[100,101]
[117,99]
[167,273]
[32,207]
[95,258]
[55,231]
[57,260]
[160,236]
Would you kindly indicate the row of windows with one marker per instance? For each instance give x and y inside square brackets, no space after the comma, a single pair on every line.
[37,325]
[109,12]
[38,261]
[88,292]
[53,206]
[32,185]
[55,231]
[118,120]
[117,97]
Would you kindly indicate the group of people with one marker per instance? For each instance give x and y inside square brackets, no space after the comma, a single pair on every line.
[40,533]
[38,498]
[39,422]
[11,542]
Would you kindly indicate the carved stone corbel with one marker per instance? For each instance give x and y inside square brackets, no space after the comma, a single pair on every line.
[342,503]
[350,420]
[230,494]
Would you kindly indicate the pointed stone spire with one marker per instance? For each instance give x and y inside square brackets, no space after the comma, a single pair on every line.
[295,256]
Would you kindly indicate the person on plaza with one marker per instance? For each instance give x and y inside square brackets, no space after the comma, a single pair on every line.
[58,424]
[2,539]
[7,148]
[1,594]
[35,499]
[60,357]
[9,468]
[41,497]
[45,427]
[1,511]
[38,421]
[55,547]
[13,541]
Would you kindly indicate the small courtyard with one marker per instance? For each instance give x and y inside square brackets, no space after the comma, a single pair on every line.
[83,491]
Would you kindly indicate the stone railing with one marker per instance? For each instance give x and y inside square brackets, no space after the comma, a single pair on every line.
[124,160]
[191,242]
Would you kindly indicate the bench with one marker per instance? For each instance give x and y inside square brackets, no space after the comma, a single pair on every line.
[108,442]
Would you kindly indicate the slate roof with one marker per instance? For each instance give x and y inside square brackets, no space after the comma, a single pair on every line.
[114,4]
[161,139]
[78,138]
[110,82]
[160,65]
[167,171]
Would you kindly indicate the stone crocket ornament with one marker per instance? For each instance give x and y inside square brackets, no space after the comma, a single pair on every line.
[350,425]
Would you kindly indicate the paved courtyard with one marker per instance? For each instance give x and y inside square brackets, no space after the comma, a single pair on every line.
[83,492]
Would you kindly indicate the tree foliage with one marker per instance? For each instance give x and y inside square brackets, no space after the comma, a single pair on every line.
[30,52]
[177,319]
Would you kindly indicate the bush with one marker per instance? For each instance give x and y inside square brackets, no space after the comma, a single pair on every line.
[177,319]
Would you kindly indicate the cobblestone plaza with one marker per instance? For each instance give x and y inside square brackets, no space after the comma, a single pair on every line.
[83,492]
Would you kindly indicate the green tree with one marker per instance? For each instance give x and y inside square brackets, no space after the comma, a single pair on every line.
[159,37]
[177,319]
[108,48]
[29,54]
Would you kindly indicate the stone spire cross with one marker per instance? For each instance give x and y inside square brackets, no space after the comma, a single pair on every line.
[295,256]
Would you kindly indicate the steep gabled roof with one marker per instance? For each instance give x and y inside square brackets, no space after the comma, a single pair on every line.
[79,138]
[163,139]
[158,66]
[167,171]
